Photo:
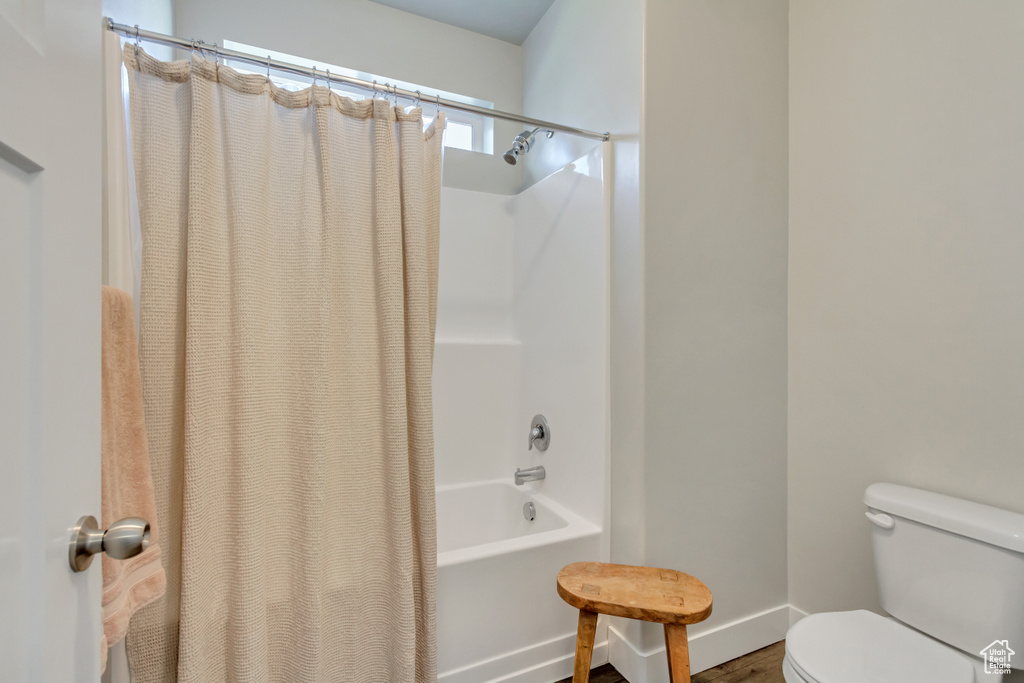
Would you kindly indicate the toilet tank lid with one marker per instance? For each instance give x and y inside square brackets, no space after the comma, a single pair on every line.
[982,522]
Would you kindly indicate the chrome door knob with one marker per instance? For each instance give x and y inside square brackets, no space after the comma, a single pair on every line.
[125,538]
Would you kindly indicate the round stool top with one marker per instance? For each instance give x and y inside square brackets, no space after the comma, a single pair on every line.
[664,596]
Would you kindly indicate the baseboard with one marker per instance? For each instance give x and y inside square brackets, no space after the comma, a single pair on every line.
[544,662]
[707,649]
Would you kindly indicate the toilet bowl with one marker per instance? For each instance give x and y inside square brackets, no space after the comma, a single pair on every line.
[951,575]
[862,647]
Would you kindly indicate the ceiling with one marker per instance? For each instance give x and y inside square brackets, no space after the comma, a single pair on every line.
[508,20]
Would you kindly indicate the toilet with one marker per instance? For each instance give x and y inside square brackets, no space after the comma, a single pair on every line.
[950,575]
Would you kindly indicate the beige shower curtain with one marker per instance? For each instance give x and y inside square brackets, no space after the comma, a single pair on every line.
[289,285]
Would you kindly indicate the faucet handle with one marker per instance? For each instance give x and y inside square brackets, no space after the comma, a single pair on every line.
[536,433]
[540,433]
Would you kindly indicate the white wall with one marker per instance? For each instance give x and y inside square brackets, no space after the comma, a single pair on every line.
[581,67]
[714,164]
[906,322]
[152,15]
[363,35]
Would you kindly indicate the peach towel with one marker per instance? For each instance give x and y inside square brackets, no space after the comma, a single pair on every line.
[127,484]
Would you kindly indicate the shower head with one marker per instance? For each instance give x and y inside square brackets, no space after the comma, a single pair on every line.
[521,145]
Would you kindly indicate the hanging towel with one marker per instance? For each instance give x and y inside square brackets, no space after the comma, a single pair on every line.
[127,484]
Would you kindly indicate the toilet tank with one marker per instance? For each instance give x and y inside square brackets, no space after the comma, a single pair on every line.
[950,568]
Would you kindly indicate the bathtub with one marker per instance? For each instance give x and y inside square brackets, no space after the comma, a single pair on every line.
[498,615]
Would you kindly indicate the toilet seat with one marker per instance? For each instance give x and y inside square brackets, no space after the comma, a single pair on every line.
[863,647]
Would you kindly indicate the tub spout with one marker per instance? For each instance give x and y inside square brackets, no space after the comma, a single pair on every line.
[529,474]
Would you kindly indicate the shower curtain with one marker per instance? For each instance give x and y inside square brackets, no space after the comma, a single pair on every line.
[288,302]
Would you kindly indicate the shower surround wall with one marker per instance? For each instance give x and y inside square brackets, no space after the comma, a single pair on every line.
[476,354]
[522,328]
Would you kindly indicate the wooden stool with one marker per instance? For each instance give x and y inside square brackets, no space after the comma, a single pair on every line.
[663,596]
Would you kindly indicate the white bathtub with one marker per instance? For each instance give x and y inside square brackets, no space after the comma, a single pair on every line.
[498,615]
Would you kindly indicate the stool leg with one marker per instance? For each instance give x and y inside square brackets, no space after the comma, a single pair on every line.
[678,653]
[584,646]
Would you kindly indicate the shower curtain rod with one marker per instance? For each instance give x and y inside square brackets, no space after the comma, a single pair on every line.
[134,32]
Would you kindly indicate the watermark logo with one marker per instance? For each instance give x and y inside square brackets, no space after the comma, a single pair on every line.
[997,657]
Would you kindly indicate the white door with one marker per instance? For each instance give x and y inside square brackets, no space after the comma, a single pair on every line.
[50,261]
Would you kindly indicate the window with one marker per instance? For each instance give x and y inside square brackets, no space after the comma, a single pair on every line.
[461,134]
[464,130]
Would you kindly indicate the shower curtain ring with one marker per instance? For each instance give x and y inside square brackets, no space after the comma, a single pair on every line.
[268,68]
[314,75]
[328,78]
[417,99]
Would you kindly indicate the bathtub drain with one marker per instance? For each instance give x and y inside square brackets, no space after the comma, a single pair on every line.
[529,511]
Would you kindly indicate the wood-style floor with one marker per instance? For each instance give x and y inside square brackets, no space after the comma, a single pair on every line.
[761,666]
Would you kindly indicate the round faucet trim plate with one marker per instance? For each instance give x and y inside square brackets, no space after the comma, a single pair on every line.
[540,433]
